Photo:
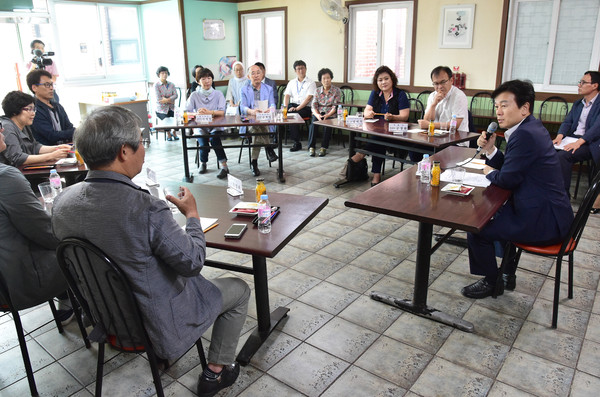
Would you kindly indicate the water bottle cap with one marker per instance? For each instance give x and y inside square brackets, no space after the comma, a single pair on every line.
[453,116]
[425,156]
[264,197]
[53,172]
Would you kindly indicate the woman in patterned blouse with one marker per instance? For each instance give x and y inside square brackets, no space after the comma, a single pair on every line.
[166,94]
[324,105]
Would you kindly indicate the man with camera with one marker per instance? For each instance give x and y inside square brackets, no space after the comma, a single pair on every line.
[51,124]
[40,59]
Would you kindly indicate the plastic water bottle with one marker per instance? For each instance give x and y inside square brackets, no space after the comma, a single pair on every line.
[340,113]
[453,125]
[425,169]
[55,182]
[264,215]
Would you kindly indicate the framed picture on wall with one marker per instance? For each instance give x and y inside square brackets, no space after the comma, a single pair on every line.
[214,29]
[456,26]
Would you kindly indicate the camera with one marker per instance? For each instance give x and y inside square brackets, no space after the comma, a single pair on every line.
[40,59]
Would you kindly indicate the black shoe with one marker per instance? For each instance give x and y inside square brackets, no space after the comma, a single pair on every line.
[296,146]
[594,211]
[202,168]
[223,173]
[480,289]
[209,387]
[254,168]
[510,281]
[271,156]
[374,184]
[65,316]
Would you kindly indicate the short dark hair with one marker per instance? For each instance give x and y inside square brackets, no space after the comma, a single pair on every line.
[522,90]
[299,63]
[194,70]
[35,76]
[206,72]
[439,69]
[162,69]
[260,65]
[103,132]
[325,71]
[381,70]
[36,41]
[595,78]
[14,102]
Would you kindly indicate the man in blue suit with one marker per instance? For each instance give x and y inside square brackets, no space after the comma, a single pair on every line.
[582,122]
[251,94]
[538,211]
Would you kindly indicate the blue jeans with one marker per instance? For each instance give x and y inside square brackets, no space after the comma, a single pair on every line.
[215,142]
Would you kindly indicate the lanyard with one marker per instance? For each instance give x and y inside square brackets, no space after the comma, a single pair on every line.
[300,89]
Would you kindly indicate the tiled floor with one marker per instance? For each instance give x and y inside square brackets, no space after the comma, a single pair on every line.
[336,341]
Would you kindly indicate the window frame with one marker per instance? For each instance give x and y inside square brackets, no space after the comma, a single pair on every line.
[106,77]
[546,86]
[263,13]
[381,5]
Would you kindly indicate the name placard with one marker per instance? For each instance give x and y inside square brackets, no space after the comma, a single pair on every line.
[354,121]
[204,118]
[401,128]
[263,117]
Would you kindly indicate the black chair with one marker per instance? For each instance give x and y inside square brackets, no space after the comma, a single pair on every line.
[557,251]
[423,97]
[178,96]
[107,299]
[416,110]
[347,96]
[553,112]
[482,109]
[7,306]
[280,90]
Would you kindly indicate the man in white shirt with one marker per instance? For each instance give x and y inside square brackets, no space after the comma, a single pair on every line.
[582,123]
[298,97]
[446,101]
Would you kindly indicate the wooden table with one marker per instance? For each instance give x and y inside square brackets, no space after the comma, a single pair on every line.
[416,142]
[405,196]
[71,173]
[231,121]
[296,212]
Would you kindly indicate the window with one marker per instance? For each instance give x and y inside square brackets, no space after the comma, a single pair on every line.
[99,42]
[552,42]
[380,34]
[263,40]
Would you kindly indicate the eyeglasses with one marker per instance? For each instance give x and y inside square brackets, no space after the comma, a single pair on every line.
[31,109]
[440,83]
[47,85]
[583,82]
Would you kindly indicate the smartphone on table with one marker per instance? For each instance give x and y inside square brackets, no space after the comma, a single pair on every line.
[236,230]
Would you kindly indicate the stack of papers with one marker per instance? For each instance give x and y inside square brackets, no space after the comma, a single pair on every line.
[565,142]
[208,223]
[471,179]
[477,164]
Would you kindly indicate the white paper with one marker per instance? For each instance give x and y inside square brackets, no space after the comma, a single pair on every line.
[565,141]
[261,105]
[471,178]
[415,130]
[234,186]
[477,164]
[231,111]
[370,120]
[205,223]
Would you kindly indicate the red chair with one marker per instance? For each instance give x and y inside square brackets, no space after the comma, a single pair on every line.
[559,250]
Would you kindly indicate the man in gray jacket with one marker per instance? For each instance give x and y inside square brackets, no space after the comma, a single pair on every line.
[161,260]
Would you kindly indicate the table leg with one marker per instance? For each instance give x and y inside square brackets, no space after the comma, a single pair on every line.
[418,305]
[186,167]
[266,321]
[280,175]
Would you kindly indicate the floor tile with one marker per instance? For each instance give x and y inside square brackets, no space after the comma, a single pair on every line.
[277,346]
[494,325]
[292,283]
[370,314]
[329,297]
[588,360]
[318,266]
[308,370]
[267,385]
[343,339]
[376,262]
[585,385]
[419,332]
[303,320]
[51,381]
[357,382]
[354,278]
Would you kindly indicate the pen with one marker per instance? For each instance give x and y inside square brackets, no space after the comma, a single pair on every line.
[273,215]
[211,227]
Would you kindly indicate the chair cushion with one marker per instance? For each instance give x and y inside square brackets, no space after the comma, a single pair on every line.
[547,249]
[112,339]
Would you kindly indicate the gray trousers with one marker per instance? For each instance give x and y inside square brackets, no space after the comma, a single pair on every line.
[228,325]
[261,139]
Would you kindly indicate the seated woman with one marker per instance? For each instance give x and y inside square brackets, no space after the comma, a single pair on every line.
[166,94]
[234,88]
[207,100]
[387,102]
[323,107]
[27,245]
[21,146]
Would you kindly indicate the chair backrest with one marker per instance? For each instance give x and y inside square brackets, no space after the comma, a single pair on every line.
[416,110]
[104,293]
[178,96]
[423,97]
[280,90]
[482,104]
[553,109]
[582,216]
[347,94]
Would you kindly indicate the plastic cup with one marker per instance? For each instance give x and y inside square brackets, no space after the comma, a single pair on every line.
[47,193]
[458,175]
